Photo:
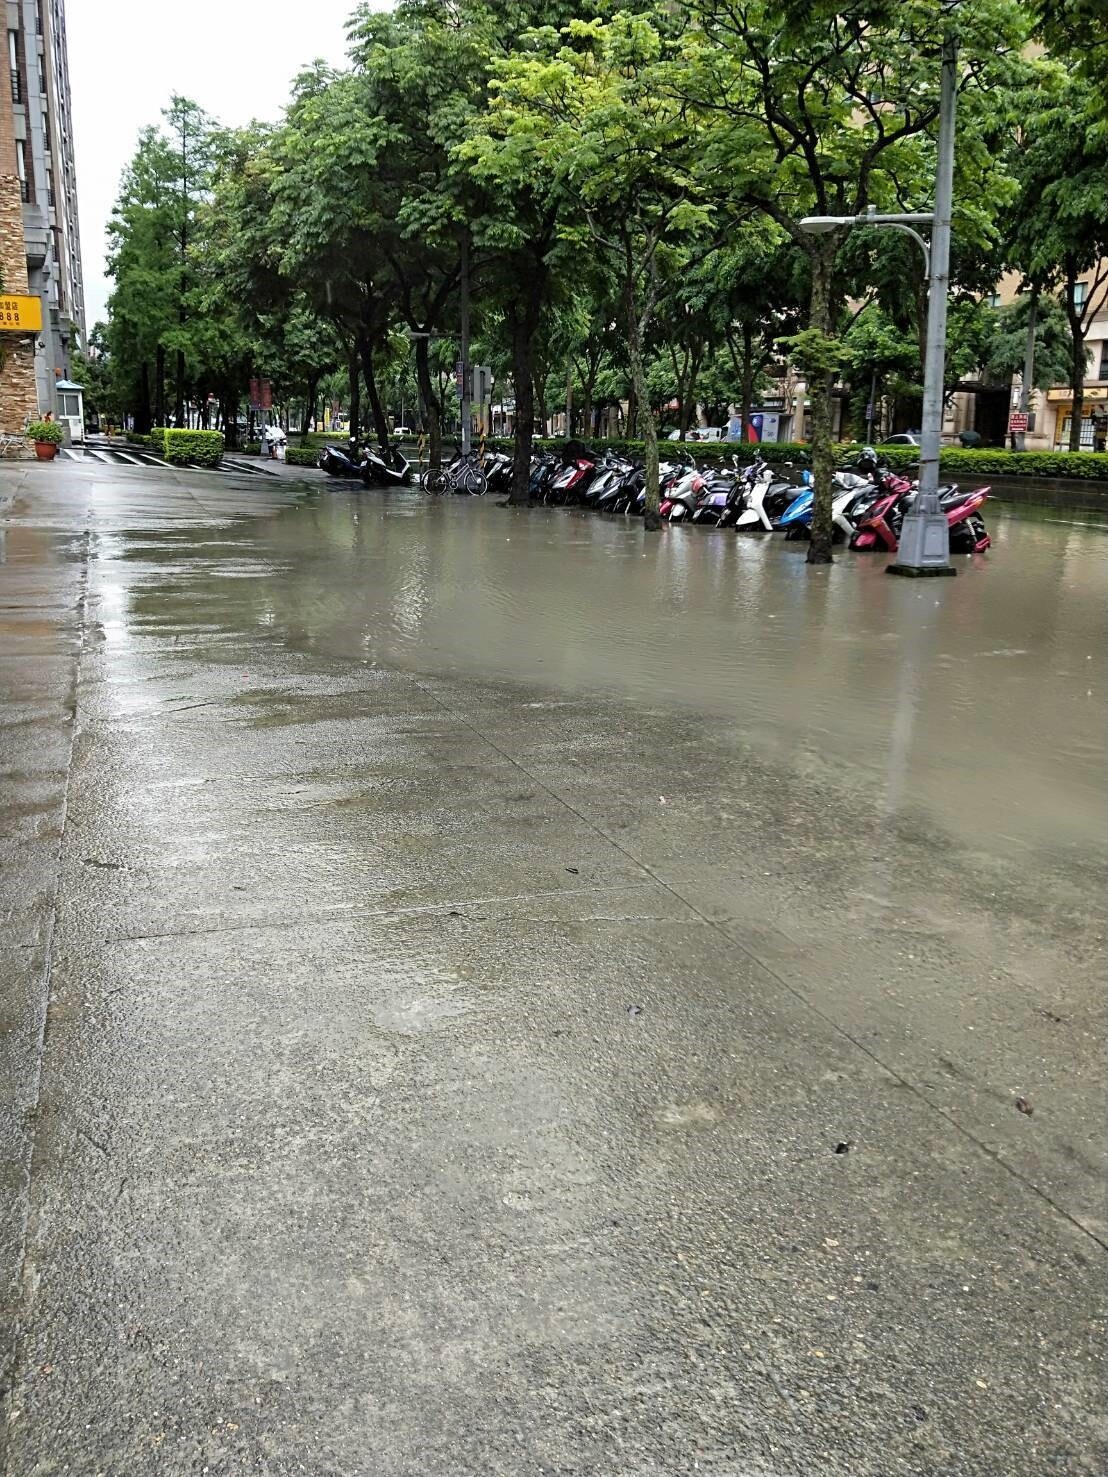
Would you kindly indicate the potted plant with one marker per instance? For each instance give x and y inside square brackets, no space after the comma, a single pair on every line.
[47,436]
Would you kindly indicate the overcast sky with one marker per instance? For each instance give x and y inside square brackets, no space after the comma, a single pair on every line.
[234,57]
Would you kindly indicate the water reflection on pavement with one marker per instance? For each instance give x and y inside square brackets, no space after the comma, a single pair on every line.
[981,697]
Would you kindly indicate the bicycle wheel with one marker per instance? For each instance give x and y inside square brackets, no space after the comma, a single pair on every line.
[434,482]
[474,482]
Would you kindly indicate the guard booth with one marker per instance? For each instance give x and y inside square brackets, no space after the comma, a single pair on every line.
[71,409]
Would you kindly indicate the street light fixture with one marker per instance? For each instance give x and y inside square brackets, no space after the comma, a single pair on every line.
[818,225]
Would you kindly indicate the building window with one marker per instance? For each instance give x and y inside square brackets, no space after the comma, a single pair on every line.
[1103,361]
[69,404]
[21,165]
[13,62]
[41,78]
[51,199]
[1080,289]
[45,128]
[994,300]
[38,17]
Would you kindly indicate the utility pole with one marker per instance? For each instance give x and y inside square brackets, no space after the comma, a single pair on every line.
[925,535]
[466,386]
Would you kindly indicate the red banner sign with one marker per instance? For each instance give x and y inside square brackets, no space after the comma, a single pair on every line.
[1017,421]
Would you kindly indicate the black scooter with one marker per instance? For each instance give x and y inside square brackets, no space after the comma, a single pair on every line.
[341,461]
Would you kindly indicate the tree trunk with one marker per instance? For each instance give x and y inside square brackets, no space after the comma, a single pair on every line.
[159,386]
[179,390]
[354,377]
[380,419]
[540,396]
[432,407]
[1027,381]
[1077,361]
[522,329]
[142,409]
[308,413]
[747,385]
[819,389]
[652,518]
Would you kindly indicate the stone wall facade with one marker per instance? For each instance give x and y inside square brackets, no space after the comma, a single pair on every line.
[18,391]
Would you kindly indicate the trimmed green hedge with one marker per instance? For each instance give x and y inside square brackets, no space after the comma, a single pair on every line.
[956,461]
[1072,465]
[301,456]
[252,448]
[196,448]
[134,438]
[156,439]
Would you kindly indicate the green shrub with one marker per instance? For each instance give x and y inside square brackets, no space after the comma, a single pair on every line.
[1072,465]
[195,448]
[301,456]
[314,440]
[156,439]
[133,438]
[252,448]
[49,431]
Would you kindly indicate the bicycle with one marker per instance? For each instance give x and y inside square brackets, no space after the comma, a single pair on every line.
[463,475]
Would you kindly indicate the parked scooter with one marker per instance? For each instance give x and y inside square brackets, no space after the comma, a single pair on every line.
[341,460]
[679,500]
[386,467]
[766,502]
[968,534]
[572,480]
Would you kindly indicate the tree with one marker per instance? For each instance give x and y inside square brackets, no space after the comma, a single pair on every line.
[825,107]
[190,133]
[141,263]
[1060,229]
[590,106]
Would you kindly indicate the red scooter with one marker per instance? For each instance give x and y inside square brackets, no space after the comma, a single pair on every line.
[968,534]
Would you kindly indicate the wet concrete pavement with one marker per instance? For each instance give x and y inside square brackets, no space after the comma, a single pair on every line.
[493,993]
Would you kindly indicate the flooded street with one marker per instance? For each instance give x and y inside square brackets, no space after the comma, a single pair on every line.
[492,992]
[982,699]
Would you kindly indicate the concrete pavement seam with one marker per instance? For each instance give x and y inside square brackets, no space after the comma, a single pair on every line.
[794,990]
[13,1335]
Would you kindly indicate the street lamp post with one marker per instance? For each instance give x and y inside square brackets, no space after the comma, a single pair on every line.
[924,544]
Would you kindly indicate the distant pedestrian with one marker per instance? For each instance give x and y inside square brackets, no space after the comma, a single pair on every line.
[1100,428]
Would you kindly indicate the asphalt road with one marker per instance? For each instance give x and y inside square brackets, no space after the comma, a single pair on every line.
[429,1048]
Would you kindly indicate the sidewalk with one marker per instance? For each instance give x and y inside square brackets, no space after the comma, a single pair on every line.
[387,1091]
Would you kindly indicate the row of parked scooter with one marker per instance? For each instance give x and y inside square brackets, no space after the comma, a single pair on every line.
[867,511]
[868,507]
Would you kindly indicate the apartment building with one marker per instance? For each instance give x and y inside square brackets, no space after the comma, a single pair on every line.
[40,244]
[986,409]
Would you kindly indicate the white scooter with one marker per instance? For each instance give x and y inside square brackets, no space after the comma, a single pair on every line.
[766,501]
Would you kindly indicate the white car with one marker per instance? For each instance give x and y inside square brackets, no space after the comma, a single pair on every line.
[402,431]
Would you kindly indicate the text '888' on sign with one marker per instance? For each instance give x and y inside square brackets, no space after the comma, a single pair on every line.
[20,314]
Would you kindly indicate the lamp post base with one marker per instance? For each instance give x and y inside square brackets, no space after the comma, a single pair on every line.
[924,544]
[918,571]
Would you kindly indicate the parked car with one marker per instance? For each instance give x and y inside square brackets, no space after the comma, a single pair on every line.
[699,433]
[902,438]
[400,431]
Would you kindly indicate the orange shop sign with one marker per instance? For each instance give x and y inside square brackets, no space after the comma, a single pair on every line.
[1092,392]
[20,314]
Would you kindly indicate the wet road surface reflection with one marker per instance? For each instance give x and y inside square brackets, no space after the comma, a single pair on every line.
[980,697]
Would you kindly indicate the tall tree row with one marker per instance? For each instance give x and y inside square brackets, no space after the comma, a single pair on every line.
[623,189]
